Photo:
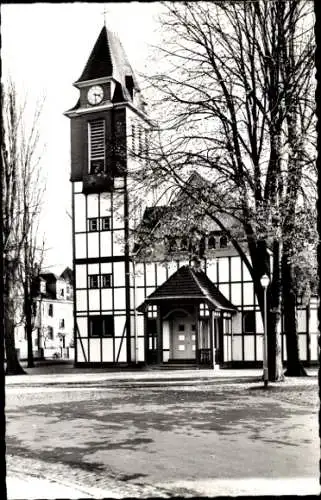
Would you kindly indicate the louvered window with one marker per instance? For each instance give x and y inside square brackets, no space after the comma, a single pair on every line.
[97,147]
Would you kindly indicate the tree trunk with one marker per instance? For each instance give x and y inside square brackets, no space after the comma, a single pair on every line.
[294,366]
[28,325]
[275,365]
[13,364]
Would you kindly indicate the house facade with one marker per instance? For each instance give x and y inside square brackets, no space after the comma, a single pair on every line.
[194,303]
[53,334]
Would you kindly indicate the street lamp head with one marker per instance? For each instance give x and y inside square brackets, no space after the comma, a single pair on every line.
[265,281]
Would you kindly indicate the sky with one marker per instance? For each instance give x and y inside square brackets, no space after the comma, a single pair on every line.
[44,50]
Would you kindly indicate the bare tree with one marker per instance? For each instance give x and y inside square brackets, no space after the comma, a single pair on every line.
[22,191]
[224,111]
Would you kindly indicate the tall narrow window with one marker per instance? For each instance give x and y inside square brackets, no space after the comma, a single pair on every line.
[96,143]
[93,224]
[93,281]
[105,223]
[106,280]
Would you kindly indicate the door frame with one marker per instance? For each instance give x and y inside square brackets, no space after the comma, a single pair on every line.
[185,315]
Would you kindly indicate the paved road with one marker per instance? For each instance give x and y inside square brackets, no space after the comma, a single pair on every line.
[156,434]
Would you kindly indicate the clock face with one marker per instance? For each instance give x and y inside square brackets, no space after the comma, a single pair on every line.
[95,94]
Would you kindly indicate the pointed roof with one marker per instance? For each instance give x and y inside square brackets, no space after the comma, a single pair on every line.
[108,59]
[190,283]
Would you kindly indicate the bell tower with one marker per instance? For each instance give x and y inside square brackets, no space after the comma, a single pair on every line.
[104,124]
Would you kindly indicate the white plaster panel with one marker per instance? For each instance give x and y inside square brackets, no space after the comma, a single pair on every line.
[237,348]
[248,293]
[223,269]
[106,268]
[139,274]
[81,350]
[92,205]
[236,298]
[303,347]
[105,244]
[140,297]
[119,274]
[246,274]
[80,212]
[161,274]
[119,298]
[211,270]
[313,323]
[81,276]
[82,327]
[259,347]
[81,300]
[78,187]
[227,348]
[80,246]
[301,315]
[118,212]
[122,354]
[108,353]
[93,269]
[94,350]
[249,347]
[166,334]
[259,322]
[140,324]
[141,349]
[314,348]
[119,243]
[94,300]
[106,299]
[105,204]
[150,274]
[119,324]
[284,348]
[237,323]
[235,269]
[93,245]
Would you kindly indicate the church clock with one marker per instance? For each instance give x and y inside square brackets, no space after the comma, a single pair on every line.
[95,94]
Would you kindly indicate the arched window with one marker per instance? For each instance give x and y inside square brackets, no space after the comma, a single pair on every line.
[223,241]
[211,242]
[184,244]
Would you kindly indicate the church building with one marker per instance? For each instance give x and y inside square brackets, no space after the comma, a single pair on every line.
[191,300]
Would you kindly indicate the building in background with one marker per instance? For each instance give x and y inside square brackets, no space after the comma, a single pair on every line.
[53,318]
[191,302]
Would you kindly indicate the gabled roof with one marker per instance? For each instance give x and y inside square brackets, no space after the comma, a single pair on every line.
[190,283]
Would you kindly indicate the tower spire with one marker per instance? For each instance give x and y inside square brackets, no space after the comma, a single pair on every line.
[104,14]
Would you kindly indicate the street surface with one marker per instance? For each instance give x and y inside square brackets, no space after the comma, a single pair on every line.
[162,433]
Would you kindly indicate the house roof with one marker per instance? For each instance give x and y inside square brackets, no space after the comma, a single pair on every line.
[190,283]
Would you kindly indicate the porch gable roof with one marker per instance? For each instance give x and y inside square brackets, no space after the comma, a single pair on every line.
[190,283]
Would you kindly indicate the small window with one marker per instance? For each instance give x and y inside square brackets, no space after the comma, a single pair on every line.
[101,326]
[184,244]
[68,290]
[42,286]
[93,224]
[211,242]
[106,280]
[105,223]
[249,325]
[93,281]
[62,292]
[62,323]
[152,311]
[223,241]
[204,311]
[193,328]
[50,333]
[181,328]
[50,310]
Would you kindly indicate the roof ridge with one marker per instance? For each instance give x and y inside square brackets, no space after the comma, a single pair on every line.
[197,282]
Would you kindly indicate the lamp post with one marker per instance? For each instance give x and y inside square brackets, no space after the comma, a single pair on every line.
[265,281]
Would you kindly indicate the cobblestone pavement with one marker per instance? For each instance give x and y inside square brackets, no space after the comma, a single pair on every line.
[156,435]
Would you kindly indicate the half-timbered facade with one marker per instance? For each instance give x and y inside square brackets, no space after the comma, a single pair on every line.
[130,308]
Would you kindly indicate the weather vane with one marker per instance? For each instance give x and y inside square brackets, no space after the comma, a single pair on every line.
[104,14]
